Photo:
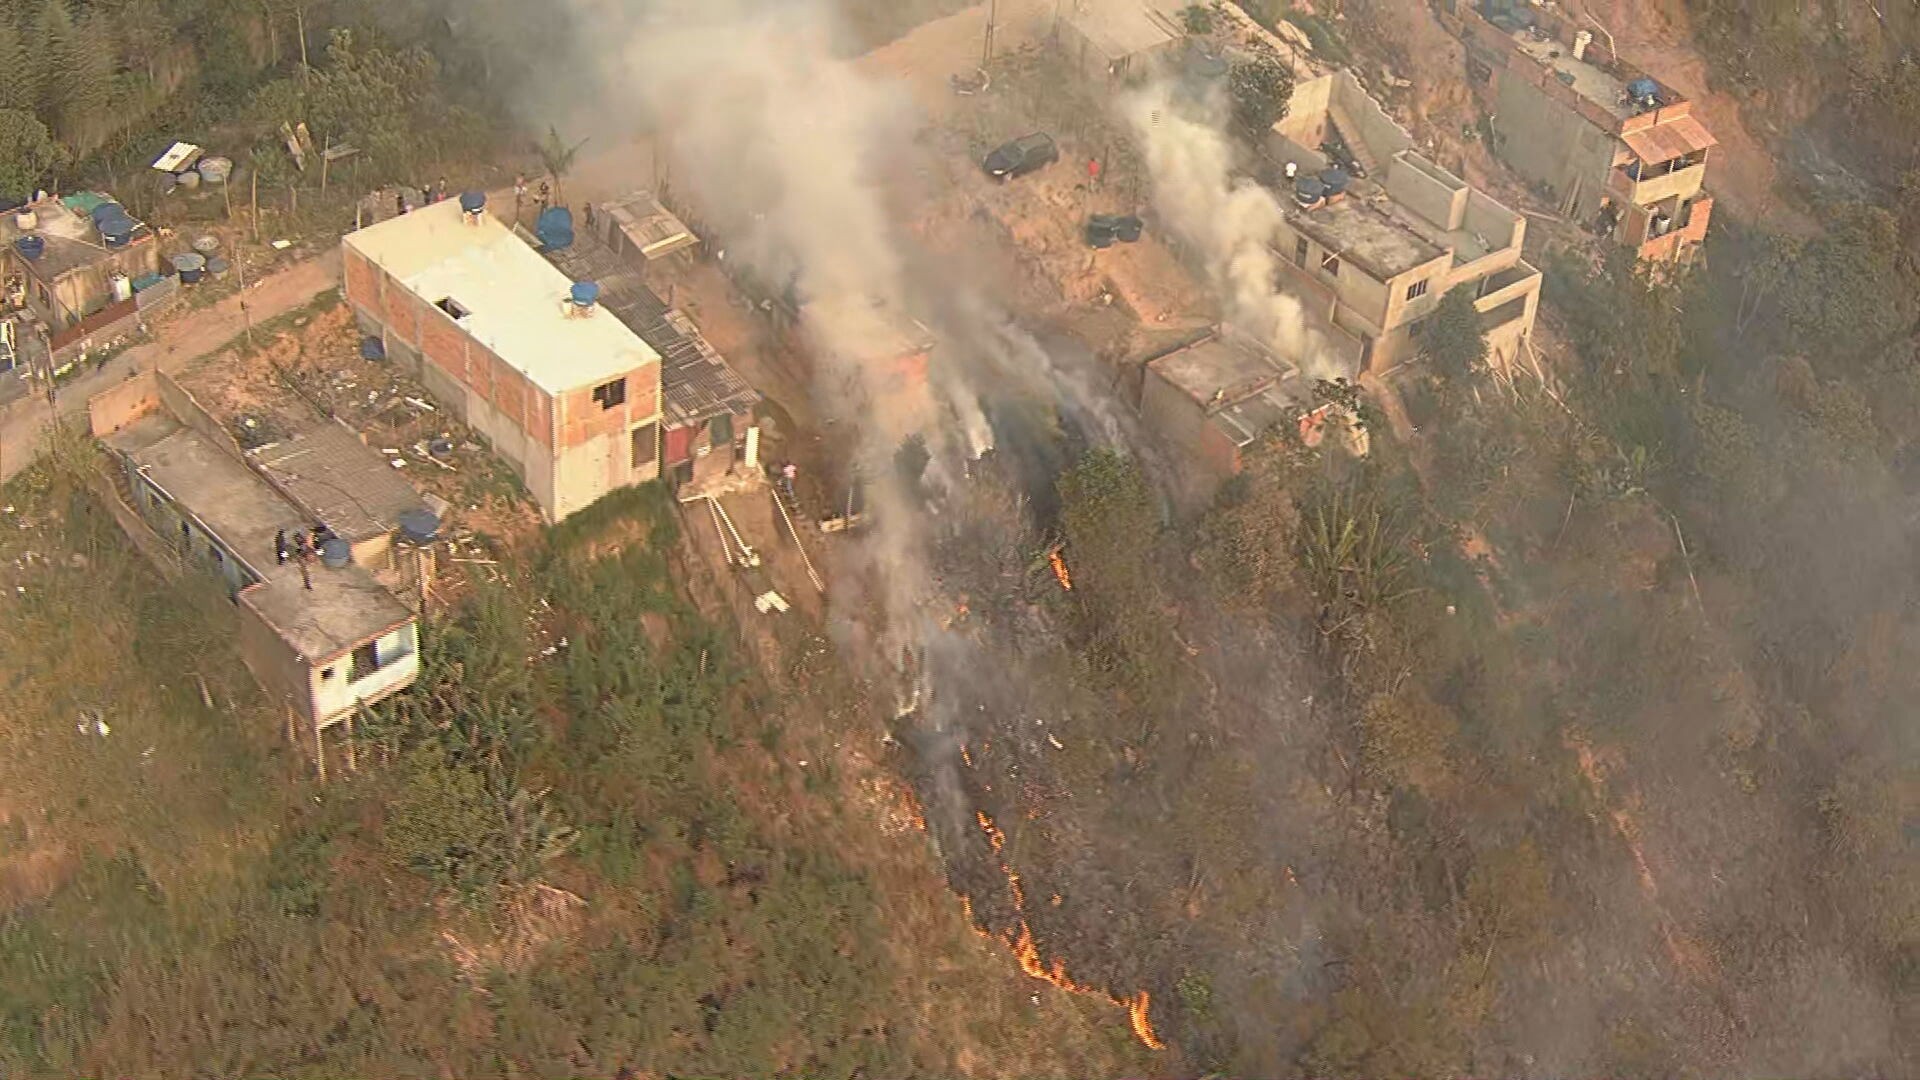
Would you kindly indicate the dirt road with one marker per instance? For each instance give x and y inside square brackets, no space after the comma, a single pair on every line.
[175,344]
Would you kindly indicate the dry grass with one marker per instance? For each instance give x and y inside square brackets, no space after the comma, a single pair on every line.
[93,641]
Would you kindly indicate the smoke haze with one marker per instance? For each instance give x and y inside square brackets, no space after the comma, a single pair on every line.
[1228,221]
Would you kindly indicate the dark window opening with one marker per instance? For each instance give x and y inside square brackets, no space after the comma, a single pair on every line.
[1300,252]
[611,394]
[1417,289]
[1330,264]
[645,444]
[721,428]
[366,661]
[452,307]
[326,673]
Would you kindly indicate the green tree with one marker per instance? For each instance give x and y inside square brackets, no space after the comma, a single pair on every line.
[1454,340]
[558,158]
[27,152]
[1197,18]
[1260,84]
[19,77]
[143,32]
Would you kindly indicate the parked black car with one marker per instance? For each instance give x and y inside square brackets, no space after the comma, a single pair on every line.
[1103,230]
[1021,156]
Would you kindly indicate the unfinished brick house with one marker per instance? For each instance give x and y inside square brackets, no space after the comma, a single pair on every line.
[567,394]
[1621,153]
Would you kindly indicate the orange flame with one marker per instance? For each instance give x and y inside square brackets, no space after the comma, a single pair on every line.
[1060,569]
[1142,1023]
[1026,952]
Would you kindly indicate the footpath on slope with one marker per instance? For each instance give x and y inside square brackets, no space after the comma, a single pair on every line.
[175,344]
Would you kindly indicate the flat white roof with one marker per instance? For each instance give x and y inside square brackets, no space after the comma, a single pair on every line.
[514,297]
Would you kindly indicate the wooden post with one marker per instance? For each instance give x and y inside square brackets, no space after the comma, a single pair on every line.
[256,206]
[353,762]
[293,738]
[320,750]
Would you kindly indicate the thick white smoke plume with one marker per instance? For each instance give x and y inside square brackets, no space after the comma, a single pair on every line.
[787,153]
[1228,221]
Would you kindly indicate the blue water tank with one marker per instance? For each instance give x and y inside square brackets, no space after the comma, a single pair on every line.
[555,228]
[586,294]
[1335,179]
[107,210]
[1643,90]
[473,201]
[31,247]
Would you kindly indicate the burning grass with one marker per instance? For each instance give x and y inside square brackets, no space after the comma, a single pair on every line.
[1026,952]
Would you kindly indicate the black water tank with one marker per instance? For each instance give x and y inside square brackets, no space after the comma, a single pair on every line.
[419,526]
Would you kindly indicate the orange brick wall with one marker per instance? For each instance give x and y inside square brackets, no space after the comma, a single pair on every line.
[511,394]
[539,413]
[399,311]
[444,343]
[363,281]
[583,420]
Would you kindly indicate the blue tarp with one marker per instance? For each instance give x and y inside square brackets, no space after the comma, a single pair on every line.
[555,228]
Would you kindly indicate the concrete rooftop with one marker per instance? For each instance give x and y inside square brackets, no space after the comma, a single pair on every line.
[344,608]
[1218,370]
[513,296]
[1382,243]
[1585,79]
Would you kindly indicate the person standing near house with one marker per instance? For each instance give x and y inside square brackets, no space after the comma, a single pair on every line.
[280,547]
[1093,172]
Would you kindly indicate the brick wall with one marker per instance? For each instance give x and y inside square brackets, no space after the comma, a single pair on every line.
[584,420]
[362,280]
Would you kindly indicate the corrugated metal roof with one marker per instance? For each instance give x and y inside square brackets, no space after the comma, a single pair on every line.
[1669,140]
[339,480]
[696,382]
[652,228]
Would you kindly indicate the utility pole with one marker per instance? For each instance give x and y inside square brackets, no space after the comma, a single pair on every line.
[240,268]
[986,52]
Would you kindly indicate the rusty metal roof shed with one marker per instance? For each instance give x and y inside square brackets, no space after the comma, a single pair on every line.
[653,230]
[1669,139]
[696,382]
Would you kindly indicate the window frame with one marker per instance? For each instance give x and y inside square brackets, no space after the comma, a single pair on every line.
[611,395]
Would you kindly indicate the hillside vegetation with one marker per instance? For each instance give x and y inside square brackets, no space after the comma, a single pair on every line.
[602,859]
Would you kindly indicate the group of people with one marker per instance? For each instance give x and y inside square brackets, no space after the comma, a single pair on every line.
[544,200]
[301,547]
[403,204]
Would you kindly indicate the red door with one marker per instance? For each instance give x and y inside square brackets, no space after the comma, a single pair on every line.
[679,445]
